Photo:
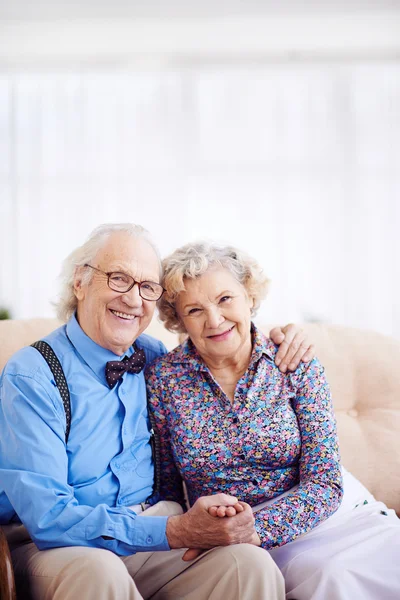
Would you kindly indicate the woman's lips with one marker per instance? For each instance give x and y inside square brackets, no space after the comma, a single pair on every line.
[220,337]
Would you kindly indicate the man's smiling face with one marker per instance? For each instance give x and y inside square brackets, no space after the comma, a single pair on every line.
[112,319]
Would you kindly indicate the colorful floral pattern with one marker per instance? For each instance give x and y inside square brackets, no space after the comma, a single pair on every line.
[279,431]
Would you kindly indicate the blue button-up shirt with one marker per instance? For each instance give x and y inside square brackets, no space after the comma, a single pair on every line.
[75,495]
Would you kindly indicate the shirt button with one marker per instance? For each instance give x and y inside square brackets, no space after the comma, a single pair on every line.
[242,456]
[149,539]
[254,482]
[123,391]
[235,420]
[117,465]
[119,501]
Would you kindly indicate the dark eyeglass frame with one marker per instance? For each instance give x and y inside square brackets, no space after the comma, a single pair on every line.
[139,283]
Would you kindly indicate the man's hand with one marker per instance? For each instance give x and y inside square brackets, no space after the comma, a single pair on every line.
[198,529]
[294,347]
[221,512]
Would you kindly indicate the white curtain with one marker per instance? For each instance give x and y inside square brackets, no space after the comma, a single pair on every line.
[299,164]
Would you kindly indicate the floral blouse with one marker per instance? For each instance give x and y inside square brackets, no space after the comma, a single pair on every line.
[279,431]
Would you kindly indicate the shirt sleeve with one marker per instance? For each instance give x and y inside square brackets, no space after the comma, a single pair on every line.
[171,484]
[320,489]
[34,476]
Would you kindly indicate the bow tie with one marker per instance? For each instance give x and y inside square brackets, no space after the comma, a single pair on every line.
[131,364]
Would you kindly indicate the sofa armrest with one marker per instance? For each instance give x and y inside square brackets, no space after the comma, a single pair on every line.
[7,585]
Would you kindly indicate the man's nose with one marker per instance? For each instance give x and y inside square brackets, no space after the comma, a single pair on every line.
[132,297]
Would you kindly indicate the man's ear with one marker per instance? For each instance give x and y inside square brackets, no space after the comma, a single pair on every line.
[78,289]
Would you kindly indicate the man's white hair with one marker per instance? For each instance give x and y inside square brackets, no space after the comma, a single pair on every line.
[86,253]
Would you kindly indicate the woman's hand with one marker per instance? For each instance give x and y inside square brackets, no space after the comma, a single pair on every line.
[294,347]
[225,511]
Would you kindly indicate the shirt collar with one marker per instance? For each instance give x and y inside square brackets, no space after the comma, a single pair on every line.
[187,353]
[92,354]
[261,345]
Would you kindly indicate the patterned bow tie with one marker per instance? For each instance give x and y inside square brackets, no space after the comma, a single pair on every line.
[131,364]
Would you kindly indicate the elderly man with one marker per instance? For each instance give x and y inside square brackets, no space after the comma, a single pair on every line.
[90,523]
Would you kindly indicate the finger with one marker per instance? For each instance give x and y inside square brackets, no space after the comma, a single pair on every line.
[282,350]
[255,539]
[299,339]
[225,511]
[309,355]
[245,507]
[230,511]
[298,357]
[277,336]
[291,351]
[192,553]
[289,332]
[247,510]
[217,500]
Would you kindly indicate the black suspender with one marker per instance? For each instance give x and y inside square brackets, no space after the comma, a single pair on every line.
[155,450]
[55,367]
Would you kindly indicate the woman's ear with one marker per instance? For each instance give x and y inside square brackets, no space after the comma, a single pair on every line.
[182,329]
[252,303]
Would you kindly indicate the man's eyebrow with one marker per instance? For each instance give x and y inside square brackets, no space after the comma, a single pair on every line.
[118,269]
[115,269]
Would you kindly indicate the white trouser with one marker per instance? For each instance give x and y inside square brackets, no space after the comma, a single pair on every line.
[353,555]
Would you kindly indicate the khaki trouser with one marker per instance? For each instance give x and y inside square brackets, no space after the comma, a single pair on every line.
[239,572]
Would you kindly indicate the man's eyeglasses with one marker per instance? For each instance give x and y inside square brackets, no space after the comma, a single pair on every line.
[121,282]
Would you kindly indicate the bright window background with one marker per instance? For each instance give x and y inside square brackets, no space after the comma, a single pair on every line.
[298,163]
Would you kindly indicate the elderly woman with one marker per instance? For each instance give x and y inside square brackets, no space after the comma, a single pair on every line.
[229,421]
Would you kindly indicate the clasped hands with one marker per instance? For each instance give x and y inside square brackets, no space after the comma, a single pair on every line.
[207,525]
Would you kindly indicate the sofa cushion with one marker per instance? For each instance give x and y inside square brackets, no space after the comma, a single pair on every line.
[363,369]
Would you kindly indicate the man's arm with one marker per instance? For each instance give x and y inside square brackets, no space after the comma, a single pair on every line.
[34,474]
[294,347]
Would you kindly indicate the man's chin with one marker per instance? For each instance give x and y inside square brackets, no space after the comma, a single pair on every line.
[123,335]
[126,330]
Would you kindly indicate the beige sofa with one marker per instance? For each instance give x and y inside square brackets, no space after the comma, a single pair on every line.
[363,369]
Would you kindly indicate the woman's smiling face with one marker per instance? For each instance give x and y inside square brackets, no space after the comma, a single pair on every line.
[215,310]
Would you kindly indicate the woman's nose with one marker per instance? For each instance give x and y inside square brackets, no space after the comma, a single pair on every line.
[214,318]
